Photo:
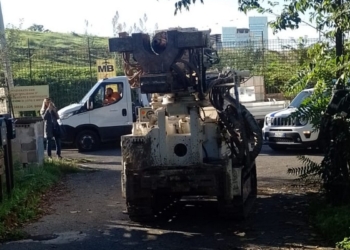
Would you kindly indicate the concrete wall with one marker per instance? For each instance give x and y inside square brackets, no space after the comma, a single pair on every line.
[258,83]
[28,146]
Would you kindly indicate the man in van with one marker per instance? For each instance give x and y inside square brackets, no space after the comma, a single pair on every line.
[111,96]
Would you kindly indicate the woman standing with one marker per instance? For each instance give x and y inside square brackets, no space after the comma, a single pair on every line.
[51,128]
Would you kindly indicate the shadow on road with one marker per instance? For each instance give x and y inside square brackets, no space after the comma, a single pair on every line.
[110,149]
[277,220]
[290,152]
[265,150]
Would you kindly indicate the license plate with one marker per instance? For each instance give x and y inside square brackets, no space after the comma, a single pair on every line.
[279,134]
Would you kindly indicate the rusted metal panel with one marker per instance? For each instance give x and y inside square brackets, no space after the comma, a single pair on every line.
[136,151]
[120,44]
[192,39]
[201,179]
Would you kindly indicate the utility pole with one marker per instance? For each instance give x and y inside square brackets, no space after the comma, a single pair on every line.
[263,51]
[4,57]
[4,52]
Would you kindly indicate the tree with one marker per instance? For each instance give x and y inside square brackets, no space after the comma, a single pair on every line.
[9,42]
[117,26]
[142,26]
[184,4]
[331,17]
[10,53]
[37,28]
[88,37]
[298,50]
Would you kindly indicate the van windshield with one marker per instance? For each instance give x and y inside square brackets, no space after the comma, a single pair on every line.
[298,100]
[87,96]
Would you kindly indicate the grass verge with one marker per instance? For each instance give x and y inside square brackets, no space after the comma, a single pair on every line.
[30,185]
[333,223]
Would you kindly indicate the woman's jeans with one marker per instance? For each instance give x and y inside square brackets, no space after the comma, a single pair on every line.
[49,142]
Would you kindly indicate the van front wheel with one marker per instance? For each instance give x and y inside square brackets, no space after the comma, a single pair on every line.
[87,140]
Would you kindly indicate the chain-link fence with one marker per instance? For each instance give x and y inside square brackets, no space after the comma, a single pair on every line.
[276,60]
[70,73]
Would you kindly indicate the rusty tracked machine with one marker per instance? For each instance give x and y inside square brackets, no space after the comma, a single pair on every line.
[196,139]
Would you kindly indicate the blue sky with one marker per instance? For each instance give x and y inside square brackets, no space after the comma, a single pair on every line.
[69,15]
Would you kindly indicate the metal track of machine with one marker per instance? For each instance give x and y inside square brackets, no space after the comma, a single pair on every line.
[196,139]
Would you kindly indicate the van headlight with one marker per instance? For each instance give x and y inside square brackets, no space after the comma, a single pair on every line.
[268,120]
[66,115]
[303,120]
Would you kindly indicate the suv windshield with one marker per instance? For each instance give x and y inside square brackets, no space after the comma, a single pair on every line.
[298,100]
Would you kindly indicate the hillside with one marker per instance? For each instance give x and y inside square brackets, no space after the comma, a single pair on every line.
[58,40]
[64,61]
[40,56]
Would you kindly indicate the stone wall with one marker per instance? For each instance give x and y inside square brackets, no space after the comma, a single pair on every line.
[28,146]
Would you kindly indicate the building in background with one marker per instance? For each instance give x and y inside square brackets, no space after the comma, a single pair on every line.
[242,36]
[238,37]
[258,26]
[228,34]
[235,37]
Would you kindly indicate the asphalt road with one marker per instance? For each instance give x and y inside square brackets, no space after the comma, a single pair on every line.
[87,213]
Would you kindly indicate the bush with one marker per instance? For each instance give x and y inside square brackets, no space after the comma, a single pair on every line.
[344,244]
[332,222]
[30,183]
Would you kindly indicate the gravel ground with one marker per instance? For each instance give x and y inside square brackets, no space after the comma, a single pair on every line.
[87,213]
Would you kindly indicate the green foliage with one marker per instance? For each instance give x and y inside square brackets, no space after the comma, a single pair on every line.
[329,17]
[24,204]
[333,128]
[37,28]
[277,66]
[34,40]
[184,4]
[70,72]
[67,63]
[332,222]
[65,85]
[323,108]
[344,244]
[310,168]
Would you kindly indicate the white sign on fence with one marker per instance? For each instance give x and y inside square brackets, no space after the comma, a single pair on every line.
[24,98]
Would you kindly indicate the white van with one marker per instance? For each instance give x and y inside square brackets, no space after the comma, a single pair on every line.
[90,122]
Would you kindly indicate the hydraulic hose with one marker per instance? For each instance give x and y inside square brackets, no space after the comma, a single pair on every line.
[228,116]
[255,130]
